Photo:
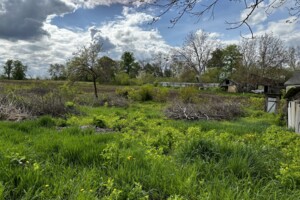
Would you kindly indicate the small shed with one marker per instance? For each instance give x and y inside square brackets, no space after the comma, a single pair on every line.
[293,101]
[273,96]
[229,85]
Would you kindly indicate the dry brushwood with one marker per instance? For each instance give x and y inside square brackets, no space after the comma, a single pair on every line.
[204,111]
[10,111]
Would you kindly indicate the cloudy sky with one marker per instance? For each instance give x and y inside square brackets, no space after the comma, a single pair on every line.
[44,32]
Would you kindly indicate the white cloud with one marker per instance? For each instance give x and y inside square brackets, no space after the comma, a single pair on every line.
[127,35]
[123,34]
[94,3]
[258,16]
[283,29]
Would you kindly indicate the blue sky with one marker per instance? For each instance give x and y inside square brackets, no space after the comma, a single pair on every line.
[47,32]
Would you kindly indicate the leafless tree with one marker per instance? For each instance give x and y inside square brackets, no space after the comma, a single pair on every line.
[265,56]
[198,9]
[271,54]
[196,51]
[293,56]
[248,51]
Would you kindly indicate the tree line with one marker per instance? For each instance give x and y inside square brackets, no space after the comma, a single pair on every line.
[14,69]
[202,58]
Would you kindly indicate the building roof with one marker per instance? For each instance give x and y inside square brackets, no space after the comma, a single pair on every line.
[260,80]
[228,82]
[295,80]
[292,93]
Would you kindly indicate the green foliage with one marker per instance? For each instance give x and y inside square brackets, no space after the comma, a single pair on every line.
[15,69]
[122,78]
[188,94]
[160,94]
[1,191]
[19,70]
[188,76]
[70,104]
[257,103]
[148,156]
[211,76]
[46,121]
[83,65]
[128,64]
[8,67]
[57,72]
[288,144]
[107,68]
[145,93]
[99,122]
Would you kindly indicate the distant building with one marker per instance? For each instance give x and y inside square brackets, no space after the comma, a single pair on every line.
[293,100]
[230,86]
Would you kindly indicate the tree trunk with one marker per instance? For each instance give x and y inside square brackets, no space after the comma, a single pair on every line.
[95,88]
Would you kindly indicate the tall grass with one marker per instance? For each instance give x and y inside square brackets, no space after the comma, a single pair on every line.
[147,156]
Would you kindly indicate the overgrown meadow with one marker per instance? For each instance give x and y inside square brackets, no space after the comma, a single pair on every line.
[143,142]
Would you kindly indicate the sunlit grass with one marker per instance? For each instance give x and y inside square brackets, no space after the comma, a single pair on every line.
[144,155]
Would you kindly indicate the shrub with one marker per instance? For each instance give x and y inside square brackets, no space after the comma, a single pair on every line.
[112,100]
[188,94]
[99,122]
[188,76]
[123,91]
[122,79]
[46,121]
[257,103]
[70,104]
[144,93]
[51,103]
[160,94]
[40,101]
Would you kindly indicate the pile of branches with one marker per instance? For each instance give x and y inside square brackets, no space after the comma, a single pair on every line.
[10,110]
[42,101]
[212,110]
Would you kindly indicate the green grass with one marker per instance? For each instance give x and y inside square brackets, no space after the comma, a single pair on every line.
[144,155]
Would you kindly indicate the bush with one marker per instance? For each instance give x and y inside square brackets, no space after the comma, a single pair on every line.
[113,100]
[39,101]
[257,103]
[122,79]
[124,91]
[51,103]
[144,93]
[46,121]
[160,94]
[188,76]
[99,122]
[188,94]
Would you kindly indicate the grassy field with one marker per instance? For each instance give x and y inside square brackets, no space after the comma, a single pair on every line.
[136,152]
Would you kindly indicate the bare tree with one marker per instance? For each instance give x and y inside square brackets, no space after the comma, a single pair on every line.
[196,51]
[85,63]
[265,56]
[271,54]
[198,9]
[248,51]
[293,56]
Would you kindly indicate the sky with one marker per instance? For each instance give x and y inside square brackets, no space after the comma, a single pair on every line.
[44,32]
